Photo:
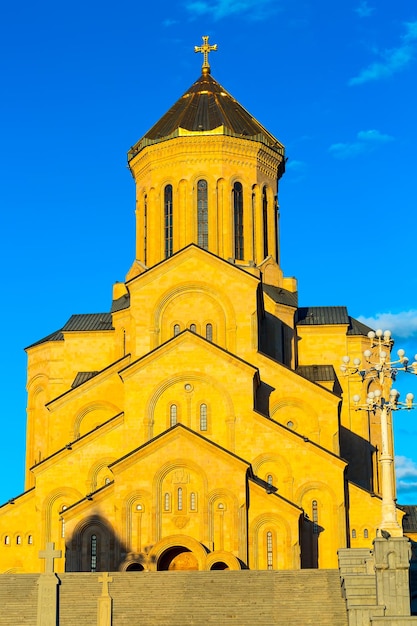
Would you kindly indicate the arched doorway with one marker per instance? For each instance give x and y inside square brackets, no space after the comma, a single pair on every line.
[179,559]
[134,567]
[219,565]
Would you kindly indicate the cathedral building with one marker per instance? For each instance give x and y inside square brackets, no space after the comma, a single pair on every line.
[202,423]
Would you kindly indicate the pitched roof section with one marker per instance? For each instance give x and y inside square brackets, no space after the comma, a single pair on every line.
[357,328]
[204,107]
[317,373]
[81,323]
[322,315]
[121,303]
[281,296]
[89,321]
[82,377]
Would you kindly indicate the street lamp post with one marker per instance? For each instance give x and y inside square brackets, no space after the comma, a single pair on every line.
[379,368]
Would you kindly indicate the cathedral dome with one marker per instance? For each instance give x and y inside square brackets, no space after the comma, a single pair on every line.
[206,108]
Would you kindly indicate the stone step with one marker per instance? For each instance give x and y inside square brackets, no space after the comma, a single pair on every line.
[240,598]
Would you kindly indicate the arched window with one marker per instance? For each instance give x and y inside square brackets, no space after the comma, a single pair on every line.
[270,479]
[315,516]
[179,502]
[168,221]
[203,416]
[93,553]
[30,540]
[265,220]
[172,415]
[145,228]
[63,523]
[7,540]
[167,502]
[18,540]
[209,332]
[193,328]
[365,533]
[202,214]
[269,550]
[238,219]
[353,533]
[193,501]
[176,329]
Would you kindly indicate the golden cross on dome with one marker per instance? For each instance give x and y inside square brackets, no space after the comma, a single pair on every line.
[205,49]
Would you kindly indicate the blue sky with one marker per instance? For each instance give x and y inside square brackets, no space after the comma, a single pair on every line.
[335,82]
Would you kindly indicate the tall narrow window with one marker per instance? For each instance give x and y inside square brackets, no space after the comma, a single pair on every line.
[238,219]
[176,329]
[168,221]
[203,416]
[63,523]
[19,540]
[365,533]
[353,533]
[173,415]
[167,503]
[193,501]
[30,540]
[209,332]
[145,229]
[265,220]
[269,550]
[193,328]
[179,493]
[315,517]
[202,214]
[7,540]
[93,553]
[270,479]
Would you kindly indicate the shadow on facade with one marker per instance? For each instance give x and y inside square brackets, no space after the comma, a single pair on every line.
[94,547]
[309,539]
[360,455]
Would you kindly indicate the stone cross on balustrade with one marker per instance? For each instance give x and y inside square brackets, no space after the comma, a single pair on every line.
[50,554]
[105,579]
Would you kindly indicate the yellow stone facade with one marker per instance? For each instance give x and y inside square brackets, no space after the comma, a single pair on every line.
[203,422]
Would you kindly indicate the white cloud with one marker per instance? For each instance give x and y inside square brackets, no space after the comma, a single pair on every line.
[392,60]
[364,10]
[405,467]
[218,9]
[403,324]
[366,141]
[294,165]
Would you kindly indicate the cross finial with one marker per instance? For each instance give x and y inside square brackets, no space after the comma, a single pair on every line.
[50,555]
[205,49]
[105,579]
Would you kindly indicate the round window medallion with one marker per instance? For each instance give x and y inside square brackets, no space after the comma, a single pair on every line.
[290,424]
[188,387]
[138,507]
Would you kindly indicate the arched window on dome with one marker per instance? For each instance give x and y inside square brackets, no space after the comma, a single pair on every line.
[209,332]
[238,220]
[202,214]
[168,221]
[265,220]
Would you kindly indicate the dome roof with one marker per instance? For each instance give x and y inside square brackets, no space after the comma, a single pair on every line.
[206,108]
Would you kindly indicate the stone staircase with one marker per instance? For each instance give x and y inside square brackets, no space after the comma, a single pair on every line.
[240,598]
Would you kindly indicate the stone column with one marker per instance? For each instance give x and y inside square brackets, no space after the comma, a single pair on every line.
[392,565]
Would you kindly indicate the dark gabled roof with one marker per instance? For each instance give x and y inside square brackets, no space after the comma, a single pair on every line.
[281,295]
[82,377]
[121,303]
[89,321]
[317,373]
[325,315]
[79,322]
[205,106]
[357,328]
[56,336]
[410,518]
[322,315]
